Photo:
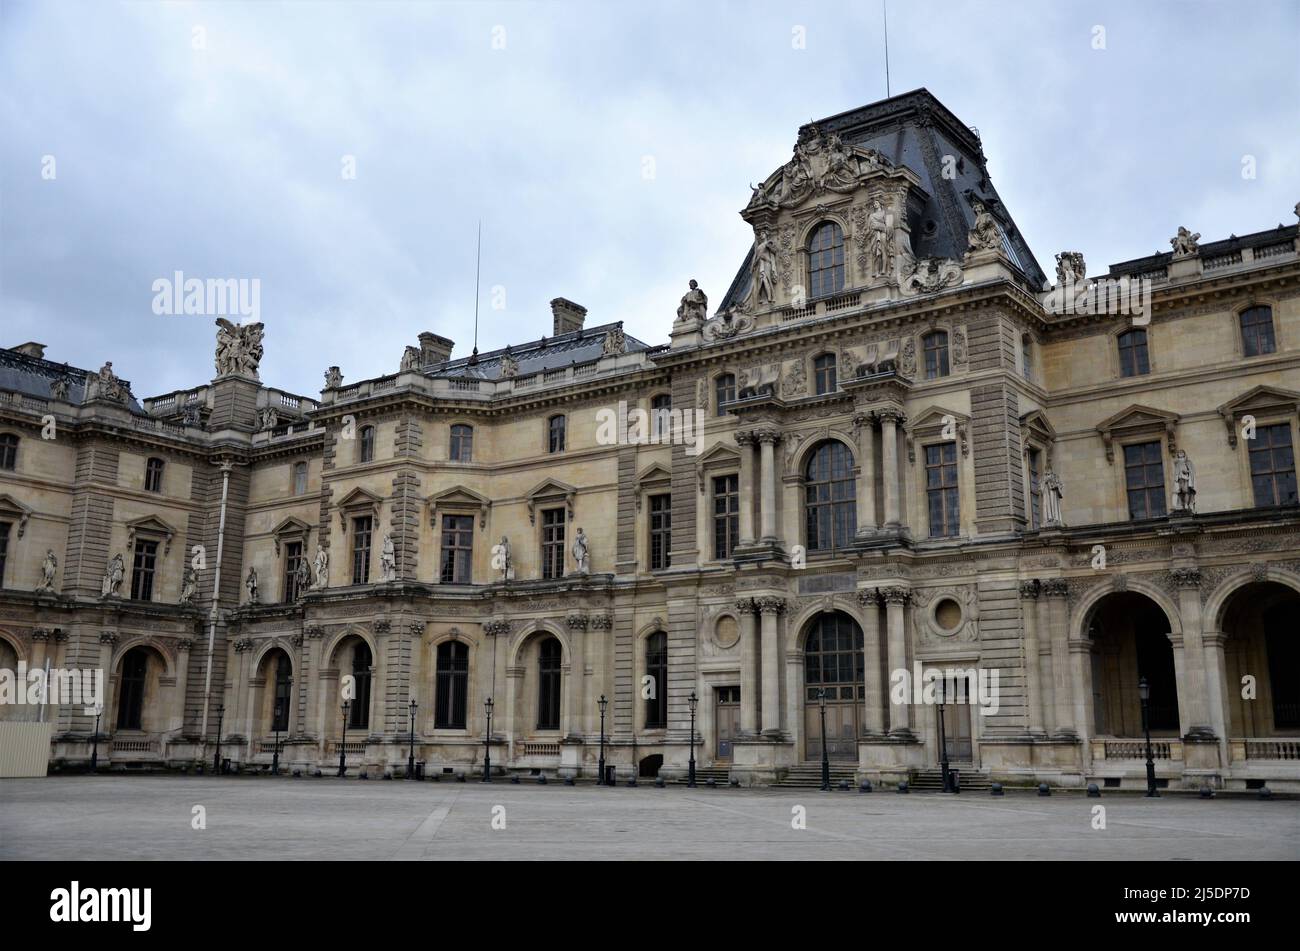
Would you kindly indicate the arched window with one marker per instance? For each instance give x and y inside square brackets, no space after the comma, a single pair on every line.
[548,684]
[724,391]
[935,347]
[825,260]
[1257,331]
[452,686]
[833,657]
[656,668]
[367,446]
[824,373]
[359,713]
[555,434]
[283,683]
[829,505]
[8,451]
[462,443]
[661,418]
[300,478]
[1133,358]
[130,693]
[153,470]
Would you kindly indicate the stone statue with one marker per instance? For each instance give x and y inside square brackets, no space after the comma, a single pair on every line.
[507,561]
[48,567]
[764,268]
[239,348]
[931,274]
[270,418]
[1185,483]
[191,415]
[333,378]
[322,568]
[694,305]
[984,234]
[1053,492]
[388,559]
[1070,268]
[113,575]
[59,388]
[251,583]
[410,360]
[1185,243]
[509,365]
[581,554]
[302,577]
[108,386]
[615,342]
[879,247]
[189,585]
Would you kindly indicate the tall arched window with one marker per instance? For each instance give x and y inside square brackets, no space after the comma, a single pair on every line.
[8,451]
[833,672]
[1133,358]
[824,373]
[825,260]
[656,668]
[452,686]
[830,505]
[549,657]
[935,347]
[1257,331]
[462,444]
[153,472]
[367,444]
[130,693]
[359,713]
[724,391]
[283,683]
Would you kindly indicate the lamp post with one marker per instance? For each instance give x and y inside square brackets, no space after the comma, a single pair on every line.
[943,739]
[600,768]
[343,742]
[216,757]
[487,742]
[410,758]
[275,756]
[94,741]
[691,701]
[1144,694]
[826,756]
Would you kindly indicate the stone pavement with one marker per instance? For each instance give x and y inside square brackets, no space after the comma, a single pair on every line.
[149,817]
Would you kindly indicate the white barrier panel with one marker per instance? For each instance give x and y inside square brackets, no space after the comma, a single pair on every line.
[24,748]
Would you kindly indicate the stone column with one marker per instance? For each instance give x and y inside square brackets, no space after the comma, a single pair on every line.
[874,690]
[770,610]
[896,600]
[745,440]
[183,648]
[1058,614]
[572,724]
[864,425]
[309,717]
[514,685]
[1033,675]
[749,647]
[889,422]
[767,439]
[379,707]
[1216,688]
[1192,676]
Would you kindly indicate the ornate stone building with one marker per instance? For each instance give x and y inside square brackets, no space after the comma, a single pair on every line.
[896,446]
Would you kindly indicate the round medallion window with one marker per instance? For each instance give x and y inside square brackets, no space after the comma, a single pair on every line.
[947,614]
[727,632]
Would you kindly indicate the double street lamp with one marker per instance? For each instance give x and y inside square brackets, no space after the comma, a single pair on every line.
[826,757]
[692,701]
[410,758]
[1144,694]
[343,743]
[487,742]
[600,768]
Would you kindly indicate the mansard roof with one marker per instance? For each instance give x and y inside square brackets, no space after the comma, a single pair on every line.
[33,376]
[535,356]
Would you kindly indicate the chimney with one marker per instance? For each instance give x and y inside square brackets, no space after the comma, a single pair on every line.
[434,349]
[37,350]
[568,315]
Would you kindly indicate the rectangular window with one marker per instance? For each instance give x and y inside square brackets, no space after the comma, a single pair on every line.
[555,434]
[457,548]
[1272,465]
[300,478]
[941,489]
[553,543]
[1144,480]
[824,374]
[153,470]
[1257,331]
[1133,357]
[146,559]
[1035,490]
[4,550]
[292,559]
[1027,357]
[361,530]
[726,515]
[661,531]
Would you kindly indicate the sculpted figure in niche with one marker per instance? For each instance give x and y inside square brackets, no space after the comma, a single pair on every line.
[1053,493]
[251,584]
[764,268]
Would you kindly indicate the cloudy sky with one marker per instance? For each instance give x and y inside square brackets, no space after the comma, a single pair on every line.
[607,149]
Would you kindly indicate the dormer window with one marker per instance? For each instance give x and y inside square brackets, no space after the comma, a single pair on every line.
[825,260]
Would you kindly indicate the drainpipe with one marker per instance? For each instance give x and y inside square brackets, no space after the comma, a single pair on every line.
[216,592]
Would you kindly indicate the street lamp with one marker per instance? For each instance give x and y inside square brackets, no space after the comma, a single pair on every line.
[943,740]
[692,700]
[410,759]
[343,743]
[600,769]
[275,756]
[487,742]
[94,742]
[1144,694]
[826,757]
[216,757]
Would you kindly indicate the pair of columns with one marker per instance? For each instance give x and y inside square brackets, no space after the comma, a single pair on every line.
[766,439]
[895,600]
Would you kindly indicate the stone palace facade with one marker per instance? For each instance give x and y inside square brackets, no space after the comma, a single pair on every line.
[896,448]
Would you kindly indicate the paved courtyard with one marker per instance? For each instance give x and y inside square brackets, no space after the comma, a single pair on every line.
[150,817]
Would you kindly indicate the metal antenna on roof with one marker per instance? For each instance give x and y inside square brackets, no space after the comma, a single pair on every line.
[478,268]
[884,12]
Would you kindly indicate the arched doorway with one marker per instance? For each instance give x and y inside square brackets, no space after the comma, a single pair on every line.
[355,664]
[276,676]
[9,661]
[139,687]
[1262,643]
[833,664]
[1130,637]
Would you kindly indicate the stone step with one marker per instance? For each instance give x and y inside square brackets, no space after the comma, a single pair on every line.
[932,779]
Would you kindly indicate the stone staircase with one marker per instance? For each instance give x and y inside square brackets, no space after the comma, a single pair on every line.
[719,774]
[931,780]
[809,776]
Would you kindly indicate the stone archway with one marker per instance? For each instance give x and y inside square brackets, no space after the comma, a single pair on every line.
[1261,653]
[1130,637]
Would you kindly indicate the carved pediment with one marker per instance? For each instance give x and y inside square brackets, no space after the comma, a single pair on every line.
[1036,428]
[459,498]
[149,525]
[291,529]
[719,457]
[822,163]
[358,502]
[550,491]
[1259,401]
[1138,420]
[12,508]
[653,476]
[948,424]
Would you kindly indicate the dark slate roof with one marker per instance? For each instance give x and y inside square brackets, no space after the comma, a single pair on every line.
[1282,234]
[32,376]
[548,353]
[916,130]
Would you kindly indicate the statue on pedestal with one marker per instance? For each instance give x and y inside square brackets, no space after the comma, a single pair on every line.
[581,554]
[1053,493]
[1184,484]
[388,559]
[113,575]
[322,567]
[251,583]
[48,567]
